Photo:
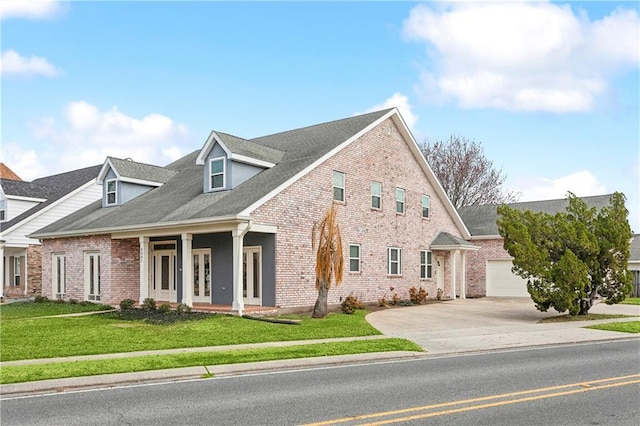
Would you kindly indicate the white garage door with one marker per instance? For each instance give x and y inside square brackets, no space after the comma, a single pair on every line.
[501,282]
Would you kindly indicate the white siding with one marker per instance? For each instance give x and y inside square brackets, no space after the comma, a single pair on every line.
[17,207]
[61,208]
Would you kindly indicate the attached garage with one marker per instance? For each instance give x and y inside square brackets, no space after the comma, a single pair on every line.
[501,282]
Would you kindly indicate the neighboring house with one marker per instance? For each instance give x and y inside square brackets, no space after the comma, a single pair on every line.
[634,264]
[230,225]
[28,206]
[489,269]
[7,173]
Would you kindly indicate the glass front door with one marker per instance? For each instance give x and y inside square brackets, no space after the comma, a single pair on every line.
[202,275]
[252,275]
[164,282]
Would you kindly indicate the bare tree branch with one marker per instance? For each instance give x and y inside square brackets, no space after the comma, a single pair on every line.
[464,172]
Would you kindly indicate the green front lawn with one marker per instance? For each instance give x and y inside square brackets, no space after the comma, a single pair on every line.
[27,373]
[21,310]
[31,338]
[624,327]
[631,301]
[588,317]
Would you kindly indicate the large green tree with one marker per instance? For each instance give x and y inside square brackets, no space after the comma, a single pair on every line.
[572,257]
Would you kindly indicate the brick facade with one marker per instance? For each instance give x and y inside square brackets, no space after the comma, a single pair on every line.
[380,156]
[119,267]
[34,269]
[477,264]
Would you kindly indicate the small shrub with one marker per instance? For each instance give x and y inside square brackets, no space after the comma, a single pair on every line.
[439,294]
[127,304]
[40,299]
[395,299]
[148,304]
[73,301]
[183,308]
[351,303]
[383,302]
[164,308]
[406,303]
[417,296]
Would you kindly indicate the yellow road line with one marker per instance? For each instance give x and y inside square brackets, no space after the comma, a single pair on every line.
[583,387]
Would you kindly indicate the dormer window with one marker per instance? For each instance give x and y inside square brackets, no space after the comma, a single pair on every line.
[218,168]
[112,192]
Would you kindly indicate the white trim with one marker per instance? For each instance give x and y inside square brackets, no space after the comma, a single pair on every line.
[252,161]
[427,263]
[224,173]
[359,258]
[208,145]
[399,261]
[343,187]
[456,247]
[403,201]
[109,165]
[428,206]
[486,237]
[315,164]
[54,273]
[114,192]
[374,195]
[21,198]
[88,273]
[140,181]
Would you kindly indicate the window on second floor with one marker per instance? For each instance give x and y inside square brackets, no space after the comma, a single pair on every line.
[3,215]
[376,195]
[217,168]
[338,186]
[425,205]
[112,192]
[400,200]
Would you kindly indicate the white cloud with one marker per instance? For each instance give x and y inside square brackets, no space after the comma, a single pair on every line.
[400,101]
[12,63]
[23,162]
[85,136]
[530,56]
[30,9]
[582,183]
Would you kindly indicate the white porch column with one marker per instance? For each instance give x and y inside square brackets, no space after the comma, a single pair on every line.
[2,270]
[187,267]
[453,255]
[144,268]
[238,244]
[463,272]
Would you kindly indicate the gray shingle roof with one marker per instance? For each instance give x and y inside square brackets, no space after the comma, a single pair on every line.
[132,169]
[481,219]
[50,188]
[181,198]
[446,240]
[250,149]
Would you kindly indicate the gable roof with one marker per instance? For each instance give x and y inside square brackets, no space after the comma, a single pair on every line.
[481,220]
[446,241]
[242,150]
[128,170]
[181,200]
[49,188]
[7,173]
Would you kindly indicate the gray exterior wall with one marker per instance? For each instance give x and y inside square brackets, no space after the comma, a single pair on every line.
[128,191]
[241,172]
[235,172]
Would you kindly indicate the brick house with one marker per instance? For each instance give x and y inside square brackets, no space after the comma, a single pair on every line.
[230,224]
[489,269]
[28,206]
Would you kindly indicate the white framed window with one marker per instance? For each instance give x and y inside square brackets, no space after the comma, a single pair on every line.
[400,200]
[3,215]
[425,205]
[394,261]
[354,257]
[112,192]
[426,267]
[92,275]
[58,274]
[16,271]
[217,168]
[338,186]
[376,195]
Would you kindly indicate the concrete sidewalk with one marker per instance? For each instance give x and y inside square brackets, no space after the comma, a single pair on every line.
[446,328]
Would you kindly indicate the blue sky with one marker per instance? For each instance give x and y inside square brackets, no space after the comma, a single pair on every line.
[550,89]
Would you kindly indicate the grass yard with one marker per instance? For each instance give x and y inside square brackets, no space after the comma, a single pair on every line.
[589,317]
[624,327]
[30,338]
[26,373]
[631,301]
[22,310]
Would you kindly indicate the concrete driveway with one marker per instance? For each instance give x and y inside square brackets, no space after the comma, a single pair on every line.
[472,325]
